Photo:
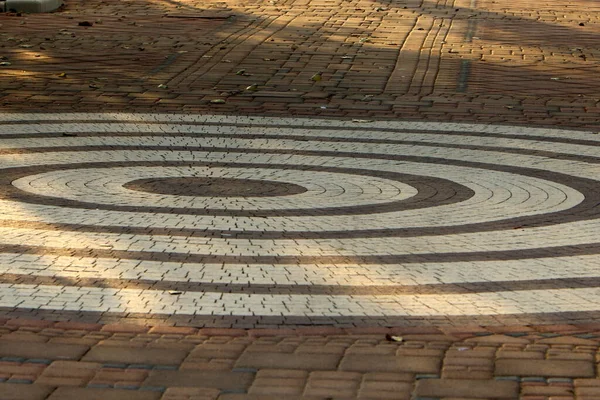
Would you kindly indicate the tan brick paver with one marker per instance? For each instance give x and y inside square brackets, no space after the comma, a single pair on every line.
[270,378]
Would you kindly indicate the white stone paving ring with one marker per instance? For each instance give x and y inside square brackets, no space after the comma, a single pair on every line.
[497,195]
[269,221]
[322,189]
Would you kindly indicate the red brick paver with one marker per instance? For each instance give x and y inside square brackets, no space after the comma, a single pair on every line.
[523,62]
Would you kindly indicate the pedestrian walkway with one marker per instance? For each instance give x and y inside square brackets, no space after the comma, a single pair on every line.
[248,222]
[301,199]
[462,60]
[84,361]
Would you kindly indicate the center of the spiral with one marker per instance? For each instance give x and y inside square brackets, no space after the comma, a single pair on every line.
[214,187]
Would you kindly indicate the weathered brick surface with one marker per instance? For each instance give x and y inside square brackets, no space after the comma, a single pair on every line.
[52,351]
[104,354]
[173,330]
[213,350]
[124,328]
[186,393]
[65,393]
[288,361]
[368,363]
[209,379]
[10,391]
[18,368]
[279,382]
[546,390]
[385,390]
[449,388]
[71,369]
[61,381]
[462,370]
[333,384]
[114,375]
[558,368]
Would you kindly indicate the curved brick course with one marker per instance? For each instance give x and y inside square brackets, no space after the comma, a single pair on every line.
[394,221]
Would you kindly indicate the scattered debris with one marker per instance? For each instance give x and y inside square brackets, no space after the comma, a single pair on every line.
[94,86]
[252,88]
[163,86]
[231,93]
[5,63]
[316,77]
[217,101]
[175,292]
[392,338]
[85,23]
[362,121]
[62,75]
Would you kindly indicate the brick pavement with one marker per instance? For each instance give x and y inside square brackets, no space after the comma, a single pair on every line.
[395,224]
[44,360]
[460,60]
[511,315]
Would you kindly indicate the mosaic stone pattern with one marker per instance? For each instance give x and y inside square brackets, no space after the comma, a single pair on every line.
[250,222]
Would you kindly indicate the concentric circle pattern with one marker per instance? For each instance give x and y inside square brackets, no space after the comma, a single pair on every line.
[238,221]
